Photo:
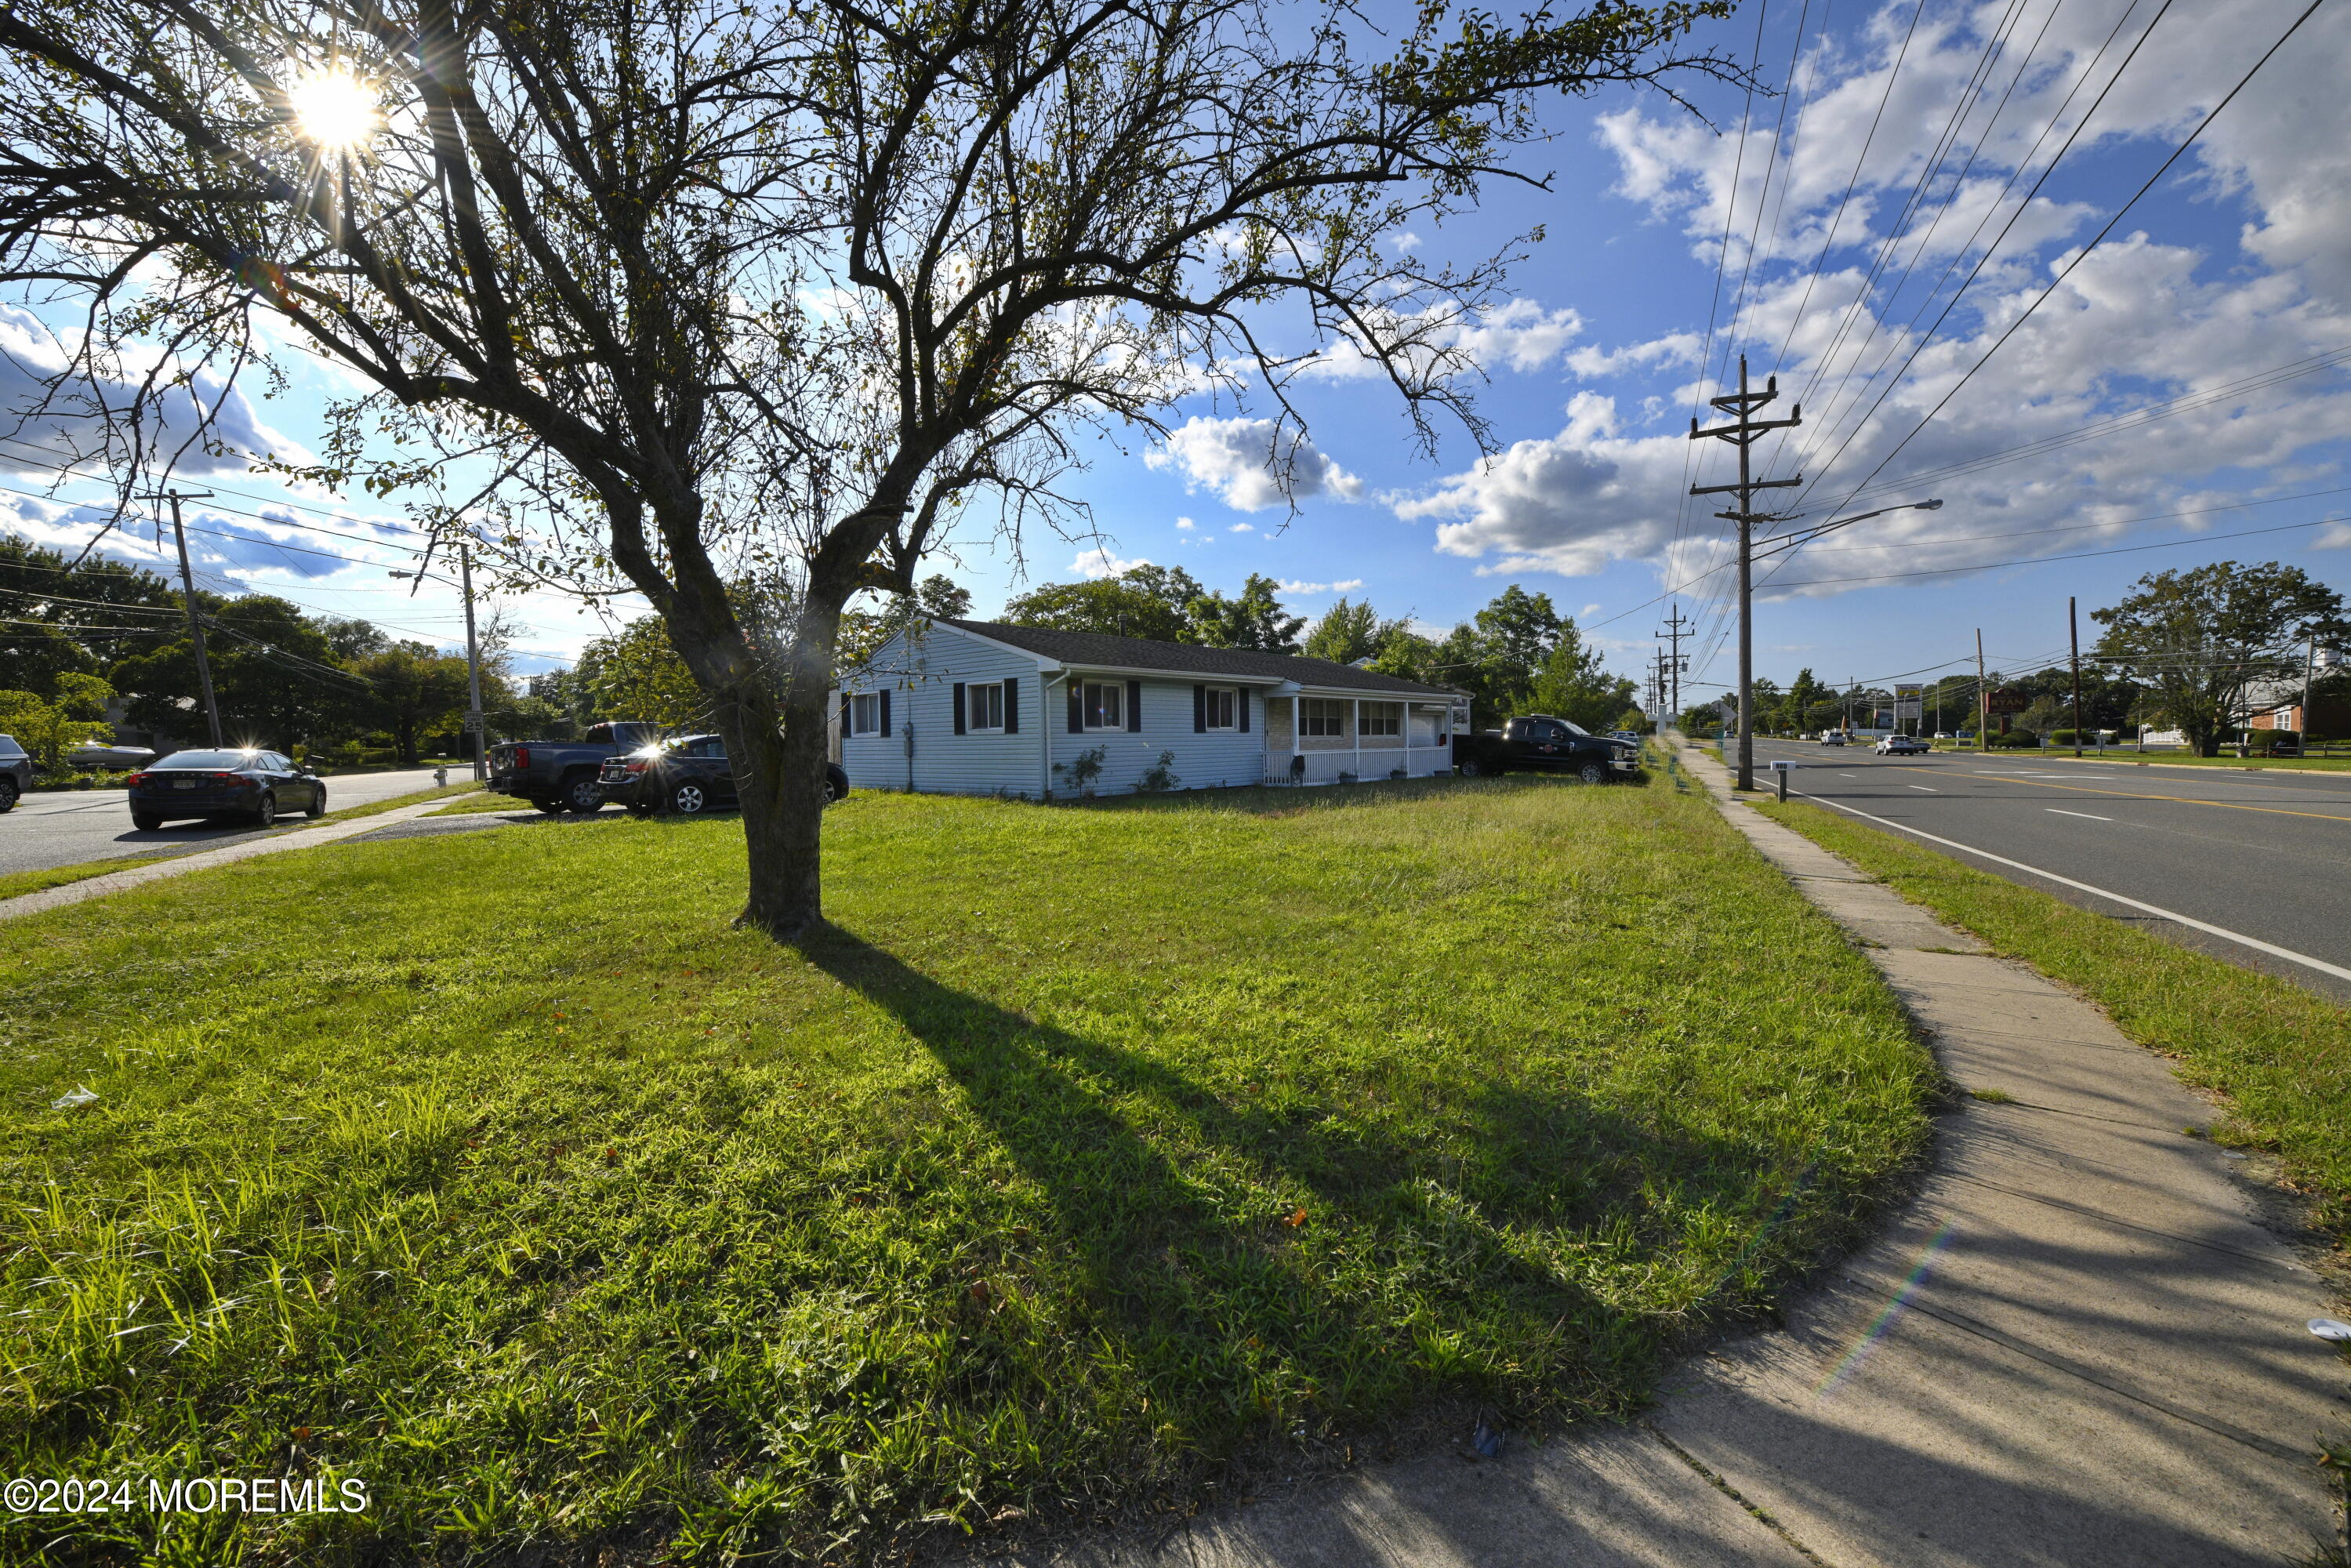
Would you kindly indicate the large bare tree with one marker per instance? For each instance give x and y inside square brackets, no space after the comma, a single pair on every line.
[714,298]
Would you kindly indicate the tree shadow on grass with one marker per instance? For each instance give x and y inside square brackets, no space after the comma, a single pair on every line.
[1213,1295]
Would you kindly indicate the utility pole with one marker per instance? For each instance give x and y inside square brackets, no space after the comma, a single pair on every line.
[1743,434]
[2073,635]
[2309,672]
[1674,628]
[195,622]
[1983,699]
[473,726]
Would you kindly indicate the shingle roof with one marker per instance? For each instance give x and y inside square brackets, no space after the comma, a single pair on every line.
[1189,659]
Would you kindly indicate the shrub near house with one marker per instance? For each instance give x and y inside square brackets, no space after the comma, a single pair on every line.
[973,708]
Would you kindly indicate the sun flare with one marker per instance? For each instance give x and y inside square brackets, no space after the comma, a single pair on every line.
[333,109]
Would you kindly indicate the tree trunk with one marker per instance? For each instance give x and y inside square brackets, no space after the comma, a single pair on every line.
[779,752]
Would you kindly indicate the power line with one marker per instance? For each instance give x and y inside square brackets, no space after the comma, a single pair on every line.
[2076,554]
[2079,257]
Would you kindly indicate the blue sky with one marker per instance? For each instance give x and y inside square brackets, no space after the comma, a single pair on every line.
[2158,346]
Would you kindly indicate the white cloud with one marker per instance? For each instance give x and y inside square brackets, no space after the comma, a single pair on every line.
[1252,464]
[2146,320]
[1347,585]
[31,356]
[1521,335]
[1185,525]
[1406,243]
[1242,528]
[1099,562]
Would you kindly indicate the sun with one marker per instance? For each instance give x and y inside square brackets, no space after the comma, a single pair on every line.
[333,109]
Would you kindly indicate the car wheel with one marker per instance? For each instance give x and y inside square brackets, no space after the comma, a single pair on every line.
[836,785]
[688,798]
[145,824]
[7,793]
[318,806]
[549,807]
[583,794]
[264,811]
[1471,767]
[1593,773]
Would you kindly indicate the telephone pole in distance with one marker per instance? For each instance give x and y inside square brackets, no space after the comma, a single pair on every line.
[1743,433]
[195,622]
[1676,629]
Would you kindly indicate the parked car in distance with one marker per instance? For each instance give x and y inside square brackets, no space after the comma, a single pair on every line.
[1832,737]
[16,772]
[255,787]
[1901,746]
[1539,742]
[561,775]
[110,756]
[1628,736]
[685,776]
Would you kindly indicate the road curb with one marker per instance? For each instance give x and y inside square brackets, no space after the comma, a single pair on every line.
[327,833]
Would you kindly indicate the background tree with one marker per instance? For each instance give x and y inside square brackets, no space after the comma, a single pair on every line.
[417,690]
[48,726]
[62,617]
[1349,632]
[2197,639]
[636,675]
[1255,619]
[713,286]
[1571,684]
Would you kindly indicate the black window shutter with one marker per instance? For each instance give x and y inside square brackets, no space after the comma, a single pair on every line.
[1240,706]
[845,716]
[885,713]
[1199,710]
[1134,708]
[1077,708]
[1012,707]
[958,700]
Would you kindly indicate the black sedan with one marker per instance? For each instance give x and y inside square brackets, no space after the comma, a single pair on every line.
[685,776]
[254,786]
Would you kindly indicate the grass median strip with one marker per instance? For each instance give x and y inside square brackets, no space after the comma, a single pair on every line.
[2281,1053]
[1097,1149]
[16,883]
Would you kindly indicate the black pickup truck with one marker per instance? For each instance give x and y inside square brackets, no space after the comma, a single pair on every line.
[560,774]
[1553,745]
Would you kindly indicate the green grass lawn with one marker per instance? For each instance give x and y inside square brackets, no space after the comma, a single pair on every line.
[1101,1153]
[482,800]
[2282,1053]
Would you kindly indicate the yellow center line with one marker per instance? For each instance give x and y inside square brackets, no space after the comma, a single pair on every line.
[2183,800]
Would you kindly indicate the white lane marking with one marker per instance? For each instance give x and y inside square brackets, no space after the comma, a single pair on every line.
[2093,816]
[1929,787]
[2255,943]
[1848,774]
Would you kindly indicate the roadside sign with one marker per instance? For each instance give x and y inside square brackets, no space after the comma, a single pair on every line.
[2007,699]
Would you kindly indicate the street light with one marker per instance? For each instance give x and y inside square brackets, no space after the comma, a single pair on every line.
[1806,536]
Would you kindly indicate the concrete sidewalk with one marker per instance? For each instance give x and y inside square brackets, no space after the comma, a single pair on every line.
[327,833]
[2078,1345]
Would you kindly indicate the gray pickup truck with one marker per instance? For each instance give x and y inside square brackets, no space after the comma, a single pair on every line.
[560,774]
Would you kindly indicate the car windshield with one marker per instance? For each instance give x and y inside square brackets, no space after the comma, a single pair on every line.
[1573,727]
[213,760]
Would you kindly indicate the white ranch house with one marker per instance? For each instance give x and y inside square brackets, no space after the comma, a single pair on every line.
[973,708]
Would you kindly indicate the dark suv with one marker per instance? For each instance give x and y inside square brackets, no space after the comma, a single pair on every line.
[685,776]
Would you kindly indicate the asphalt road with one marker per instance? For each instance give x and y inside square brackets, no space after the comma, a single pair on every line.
[2262,856]
[53,828]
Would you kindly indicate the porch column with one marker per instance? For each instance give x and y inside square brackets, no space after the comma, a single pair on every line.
[1356,719]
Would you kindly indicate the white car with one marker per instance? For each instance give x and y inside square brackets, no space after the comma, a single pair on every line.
[1832,737]
[1901,746]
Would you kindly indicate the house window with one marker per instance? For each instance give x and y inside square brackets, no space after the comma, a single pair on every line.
[1324,715]
[1219,707]
[1384,718]
[1103,705]
[983,708]
[866,714]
